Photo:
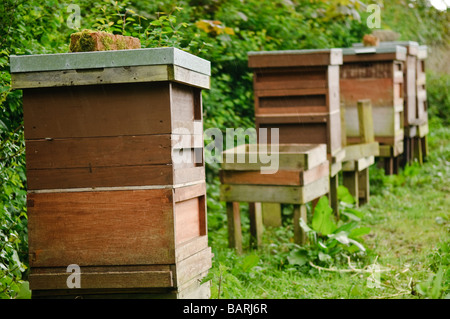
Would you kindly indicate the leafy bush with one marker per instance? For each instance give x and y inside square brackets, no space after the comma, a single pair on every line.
[438,89]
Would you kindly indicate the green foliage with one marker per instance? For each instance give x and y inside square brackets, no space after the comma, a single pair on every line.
[438,91]
[330,242]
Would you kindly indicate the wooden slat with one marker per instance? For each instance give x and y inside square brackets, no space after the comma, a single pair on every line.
[288,59]
[104,280]
[289,157]
[190,247]
[150,73]
[274,194]
[357,151]
[365,121]
[282,177]
[191,267]
[283,118]
[359,164]
[94,111]
[40,179]
[99,152]
[291,92]
[188,214]
[102,76]
[188,192]
[379,91]
[401,56]
[188,175]
[101,228]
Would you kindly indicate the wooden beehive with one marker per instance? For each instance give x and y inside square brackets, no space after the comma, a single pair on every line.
[375,74]
[115,171]
[298,92]
[409,80]
[301,175]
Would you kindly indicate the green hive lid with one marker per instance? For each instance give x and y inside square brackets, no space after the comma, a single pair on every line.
[108,59]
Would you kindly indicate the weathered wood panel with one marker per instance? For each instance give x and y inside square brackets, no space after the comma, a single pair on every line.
[293,58]
[104,279]
[92,177]
[99,152]
[289,157]
[101,228]
[189,268]
[282,177]
[187,219]
[98,110]
[274,193]
[101,76]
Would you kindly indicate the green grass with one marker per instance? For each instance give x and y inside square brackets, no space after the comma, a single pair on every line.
[410,223]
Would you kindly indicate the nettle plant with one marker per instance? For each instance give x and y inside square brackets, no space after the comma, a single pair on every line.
[331,242]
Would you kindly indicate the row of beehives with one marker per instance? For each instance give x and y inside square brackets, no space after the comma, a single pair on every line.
[104,190]
[361,102]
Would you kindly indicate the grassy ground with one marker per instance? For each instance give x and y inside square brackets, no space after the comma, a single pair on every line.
[409,241]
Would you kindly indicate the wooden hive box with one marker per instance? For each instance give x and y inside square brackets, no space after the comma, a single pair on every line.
[375,74]
[115,171]
[298,92]
[409,80]
[301,175]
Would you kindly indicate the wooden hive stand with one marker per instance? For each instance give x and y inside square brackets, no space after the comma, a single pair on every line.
[358,157]
[376,74]
[108,188]
[297,91]
[302,176]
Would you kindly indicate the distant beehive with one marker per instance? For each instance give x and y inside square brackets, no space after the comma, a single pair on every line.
[375,74]
[298,92]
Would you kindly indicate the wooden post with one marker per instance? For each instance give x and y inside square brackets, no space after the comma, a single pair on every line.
[365,120]
[334,184]
[271,214]
[364,186]
[234,226]
[300,236]
[256,224]
[343,127]
[424,146]
[350,180]
[389,165]
[418,154]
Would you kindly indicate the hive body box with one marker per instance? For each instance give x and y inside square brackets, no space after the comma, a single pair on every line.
[376,74]
[298,92]
[415,114]
[409,80]
[116,178]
